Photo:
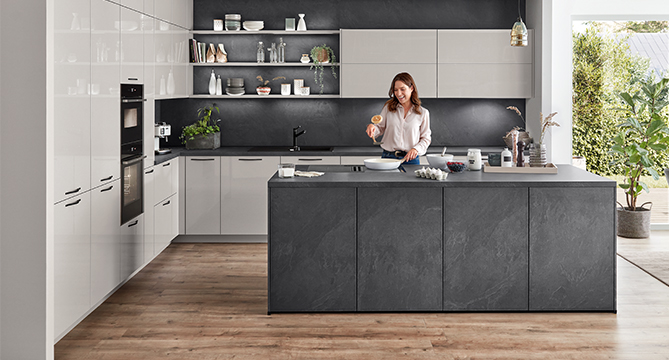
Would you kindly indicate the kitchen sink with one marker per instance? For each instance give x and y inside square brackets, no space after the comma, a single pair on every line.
[288,148]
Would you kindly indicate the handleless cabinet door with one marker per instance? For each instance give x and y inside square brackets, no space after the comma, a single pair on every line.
[163,9]
[137,5]
[389,46]
[373,80]
[105,104]
[72,261]
[105,240]
[130,49]
[180,63]
[132,246]
[72,102]
[163,56]
[244,194]
[149,236]
[182,11]
[203,195]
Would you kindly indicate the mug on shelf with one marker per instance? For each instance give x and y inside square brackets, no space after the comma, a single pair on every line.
[285,89]
[297,86]
[218,24]
[305,90]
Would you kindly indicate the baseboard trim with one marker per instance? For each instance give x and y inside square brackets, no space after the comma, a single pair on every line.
[220,239]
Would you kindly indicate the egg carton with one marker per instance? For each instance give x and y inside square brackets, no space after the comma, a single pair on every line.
[431,173]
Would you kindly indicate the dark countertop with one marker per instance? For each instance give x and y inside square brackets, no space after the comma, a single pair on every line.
[567,176]
[373,151]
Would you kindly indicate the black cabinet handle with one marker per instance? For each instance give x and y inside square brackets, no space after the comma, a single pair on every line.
[73,203]
[149,172]
[250,159]
[167,203]
[202,159]
[107,189]
[73,191]
[168,164]
[310,159]
[133,224]
[107,178]
[133,79]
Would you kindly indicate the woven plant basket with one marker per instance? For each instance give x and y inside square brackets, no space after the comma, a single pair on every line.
[634,224]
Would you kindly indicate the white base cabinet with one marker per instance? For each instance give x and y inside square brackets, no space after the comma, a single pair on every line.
[72,261]
[105,240]
[166,222]
[149,239]
[203,195]
[244,194]
[132,246]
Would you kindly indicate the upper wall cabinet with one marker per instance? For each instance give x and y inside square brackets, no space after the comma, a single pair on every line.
[371,58]
[482,64]
[131,49]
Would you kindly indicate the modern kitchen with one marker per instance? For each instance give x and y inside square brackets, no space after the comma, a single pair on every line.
[296,228]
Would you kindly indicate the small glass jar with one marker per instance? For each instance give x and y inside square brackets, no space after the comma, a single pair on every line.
[286,170]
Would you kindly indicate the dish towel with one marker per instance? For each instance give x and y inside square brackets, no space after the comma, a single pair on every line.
[308,173]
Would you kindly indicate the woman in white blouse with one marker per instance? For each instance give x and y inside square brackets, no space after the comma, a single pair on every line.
[406,124]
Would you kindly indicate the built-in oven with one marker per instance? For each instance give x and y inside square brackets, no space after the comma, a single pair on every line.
[132,150]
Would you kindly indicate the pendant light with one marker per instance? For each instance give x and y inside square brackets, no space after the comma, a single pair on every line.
[519,31]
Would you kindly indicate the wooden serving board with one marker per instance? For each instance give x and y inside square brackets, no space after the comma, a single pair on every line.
[549,169]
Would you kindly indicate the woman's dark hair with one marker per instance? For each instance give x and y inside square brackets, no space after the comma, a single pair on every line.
[408,80]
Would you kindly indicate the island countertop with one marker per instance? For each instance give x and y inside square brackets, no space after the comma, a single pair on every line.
[567,176]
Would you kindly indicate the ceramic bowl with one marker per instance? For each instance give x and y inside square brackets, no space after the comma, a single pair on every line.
[263,90]
[494,159]
[456,167]
[438,161]
[382,164]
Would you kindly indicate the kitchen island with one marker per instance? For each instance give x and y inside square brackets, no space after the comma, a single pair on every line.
[389,241]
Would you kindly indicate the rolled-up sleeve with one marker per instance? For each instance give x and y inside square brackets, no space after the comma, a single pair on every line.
[425,133]
[381,127]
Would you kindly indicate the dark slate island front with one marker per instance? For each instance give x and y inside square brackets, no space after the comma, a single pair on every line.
[389,241]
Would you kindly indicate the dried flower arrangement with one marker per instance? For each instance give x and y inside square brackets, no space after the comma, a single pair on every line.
[519,114]
[545,124]
[263,83]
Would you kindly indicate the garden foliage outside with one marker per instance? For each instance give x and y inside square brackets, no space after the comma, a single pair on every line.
[602,69]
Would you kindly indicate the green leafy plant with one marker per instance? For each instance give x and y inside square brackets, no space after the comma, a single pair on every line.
[205,125]
[321,54]
[644,131]
[263,83]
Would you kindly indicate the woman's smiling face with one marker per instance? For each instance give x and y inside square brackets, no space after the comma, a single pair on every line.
[402,92]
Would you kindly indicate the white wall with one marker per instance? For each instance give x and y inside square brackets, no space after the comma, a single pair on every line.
[25,329]
[558,37]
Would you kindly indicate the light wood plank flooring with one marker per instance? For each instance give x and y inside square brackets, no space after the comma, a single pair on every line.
[208,301]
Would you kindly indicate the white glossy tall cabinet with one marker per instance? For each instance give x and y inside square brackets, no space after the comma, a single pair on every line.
[98,45]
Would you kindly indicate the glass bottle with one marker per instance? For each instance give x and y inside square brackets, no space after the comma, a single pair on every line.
[260,55]
[273,58]
[282,51]
[219,87]
[212,83]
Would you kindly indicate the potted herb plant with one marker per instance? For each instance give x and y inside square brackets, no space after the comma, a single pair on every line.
[204,133]
[322,54]
[263,89]
[643,132]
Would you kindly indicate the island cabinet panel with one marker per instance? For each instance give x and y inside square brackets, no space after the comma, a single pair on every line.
[399,249]
[203,195]
[312,249]
[572,249]
[485,249]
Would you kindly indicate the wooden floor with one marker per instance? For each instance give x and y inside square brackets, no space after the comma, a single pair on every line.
[208,301]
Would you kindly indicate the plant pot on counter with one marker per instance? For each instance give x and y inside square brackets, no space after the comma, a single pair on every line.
[206,141]
[634,224]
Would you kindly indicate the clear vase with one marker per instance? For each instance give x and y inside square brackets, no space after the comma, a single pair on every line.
[537,155]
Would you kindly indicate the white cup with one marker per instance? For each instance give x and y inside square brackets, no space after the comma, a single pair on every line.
[218,25]
[306,90]
[297,86]
[285,89]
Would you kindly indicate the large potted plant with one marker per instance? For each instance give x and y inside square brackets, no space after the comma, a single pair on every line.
[322,54]
[643,132]
[204,133]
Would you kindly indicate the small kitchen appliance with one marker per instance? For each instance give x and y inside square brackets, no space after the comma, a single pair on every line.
[161,131]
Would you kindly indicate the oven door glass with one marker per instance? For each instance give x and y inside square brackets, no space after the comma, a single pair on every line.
[131,122]
[132,202]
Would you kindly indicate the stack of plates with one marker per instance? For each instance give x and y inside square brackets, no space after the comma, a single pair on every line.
[254,25]
[235,87]
[233,22]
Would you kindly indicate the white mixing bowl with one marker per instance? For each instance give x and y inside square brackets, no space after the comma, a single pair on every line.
[382,164]
[438,161]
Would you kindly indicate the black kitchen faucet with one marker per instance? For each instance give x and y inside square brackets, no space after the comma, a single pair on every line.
[297,133]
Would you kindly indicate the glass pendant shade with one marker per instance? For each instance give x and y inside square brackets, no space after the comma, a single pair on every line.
[519,33]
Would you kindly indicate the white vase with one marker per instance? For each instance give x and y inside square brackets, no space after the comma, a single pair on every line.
[301,25]
[75,24]
[219,87]
[163,89]
[170,84]
[212,83]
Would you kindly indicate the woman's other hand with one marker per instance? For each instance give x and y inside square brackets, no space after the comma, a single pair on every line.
[371,129]
[412,154]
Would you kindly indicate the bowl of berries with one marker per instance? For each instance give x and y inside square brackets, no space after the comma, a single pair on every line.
[456,167]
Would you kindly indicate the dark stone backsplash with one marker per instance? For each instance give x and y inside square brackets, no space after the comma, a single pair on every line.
[336,122]
[340,122]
